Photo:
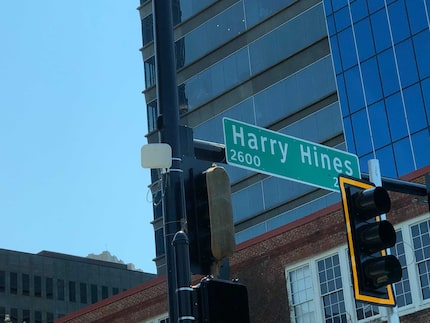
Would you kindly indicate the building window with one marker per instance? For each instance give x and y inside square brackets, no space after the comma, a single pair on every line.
[105,292]
[37,286]
[302,294]
[403,287]
[13,283]
[60,289]
[365,310]
[37,317]
[26,316]
[115,290]
[331,289]
[72,291]
[25,284]
[14,315]
[159,319]
[83,293]
[2,281]
[332,301]
[94,294]
[421,243]
[49,317]
[49,288]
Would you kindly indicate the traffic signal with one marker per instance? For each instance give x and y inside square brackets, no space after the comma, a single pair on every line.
[373,271]
[210,224]
[221,301]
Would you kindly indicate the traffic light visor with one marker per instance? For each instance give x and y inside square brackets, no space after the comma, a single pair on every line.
[371,202]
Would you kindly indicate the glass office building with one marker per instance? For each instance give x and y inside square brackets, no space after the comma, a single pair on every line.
[266,63]
[380,51]
[338,73]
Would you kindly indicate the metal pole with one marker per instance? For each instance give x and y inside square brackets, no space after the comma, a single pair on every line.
[183,273]
[375,178]
[167,93]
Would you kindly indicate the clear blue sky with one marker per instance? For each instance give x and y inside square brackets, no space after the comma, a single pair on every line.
[72,121]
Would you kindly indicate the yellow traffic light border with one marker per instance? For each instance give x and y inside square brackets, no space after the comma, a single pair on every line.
[390,301]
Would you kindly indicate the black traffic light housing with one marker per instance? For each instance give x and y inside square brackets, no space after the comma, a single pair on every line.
[373,271]
[210,226]
[220,301]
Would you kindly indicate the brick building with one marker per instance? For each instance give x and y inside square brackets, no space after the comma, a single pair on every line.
[294,268]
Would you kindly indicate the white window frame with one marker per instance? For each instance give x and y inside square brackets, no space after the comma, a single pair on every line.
[418,303]
[157,319]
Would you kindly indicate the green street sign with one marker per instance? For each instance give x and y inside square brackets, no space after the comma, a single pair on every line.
[269,152]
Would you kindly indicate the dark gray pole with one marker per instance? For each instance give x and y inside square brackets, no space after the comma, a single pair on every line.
[183,273]
[174,201]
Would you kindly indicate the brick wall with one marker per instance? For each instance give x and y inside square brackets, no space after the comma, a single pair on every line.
[260,265]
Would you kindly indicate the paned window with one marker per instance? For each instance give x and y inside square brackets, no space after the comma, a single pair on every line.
[421,243]
[403,287]
[332,301]
[302,294]
[365,310]
[330,281]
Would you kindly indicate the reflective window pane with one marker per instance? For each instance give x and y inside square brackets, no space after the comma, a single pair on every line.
[415,108]
[211,34]
[347,48]
[422,50]
[396,117]
[417,15]
[257,10]
[363,34]
[354,89]
[421,141]
[379,124]
[406,63]
[361,132]
[386,158]
[359,10]
[242,208]
[388,72]
[371,80]
[216,79]
[291,37]
[381,32]
[399,22]
[403,155]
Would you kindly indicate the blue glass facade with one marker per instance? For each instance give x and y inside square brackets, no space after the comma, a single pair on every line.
[380,51]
